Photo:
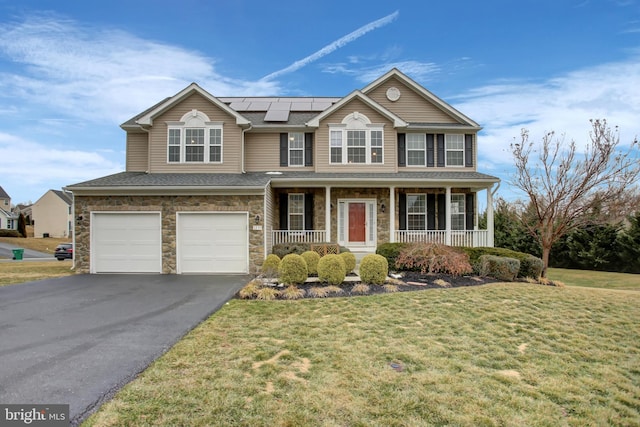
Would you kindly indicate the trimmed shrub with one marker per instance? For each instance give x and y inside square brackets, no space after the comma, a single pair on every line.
[9,233]
[292,270]
[374,269]
[292,292]
[433,258]
[331,269]
[349,261]
[529,264]
[283,249]
[390,251]
[501,268]
[311,258]
[270,265]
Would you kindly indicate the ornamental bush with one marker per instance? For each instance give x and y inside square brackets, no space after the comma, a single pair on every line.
[433,258]
[292,270]
[390,251]
[531,266]
[270,265]
[501,268]
[311,258]
[332,269]
[373,269]
[349,261]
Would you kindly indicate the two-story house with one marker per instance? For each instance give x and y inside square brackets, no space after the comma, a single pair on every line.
[212,183]
[8,219]
[52,215]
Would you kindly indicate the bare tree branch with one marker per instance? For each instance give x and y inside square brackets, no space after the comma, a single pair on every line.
[568,188]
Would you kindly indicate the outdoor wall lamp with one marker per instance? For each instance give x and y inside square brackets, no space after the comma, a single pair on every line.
[257,219]
[79,218]
[382,207]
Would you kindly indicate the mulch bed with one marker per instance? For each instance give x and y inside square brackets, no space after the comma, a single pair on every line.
[410,281]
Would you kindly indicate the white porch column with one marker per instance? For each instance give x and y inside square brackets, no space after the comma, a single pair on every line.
[447,220]
[327,213]
[490,216]
[392,214]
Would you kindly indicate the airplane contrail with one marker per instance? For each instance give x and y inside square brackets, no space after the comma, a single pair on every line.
[335,45]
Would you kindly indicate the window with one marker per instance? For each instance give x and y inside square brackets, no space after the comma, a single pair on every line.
[187,139]
[215,145]
[457,212]
[376,146]
[416,149]
[194,145]
[416,211]
[296,211]
[454,149]
[296,149]
[356,146]
[336,146]
[356,140]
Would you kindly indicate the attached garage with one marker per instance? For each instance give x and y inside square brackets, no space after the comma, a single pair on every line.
[212,242]
[126,242]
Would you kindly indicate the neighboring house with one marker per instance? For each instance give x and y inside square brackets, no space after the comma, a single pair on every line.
[8,219]
[52,215]
[212,183]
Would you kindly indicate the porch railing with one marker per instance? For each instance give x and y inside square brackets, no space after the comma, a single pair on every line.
[470,238]
[302,236]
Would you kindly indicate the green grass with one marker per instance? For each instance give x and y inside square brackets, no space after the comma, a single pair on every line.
[15,272]
[503,354]
[595,279]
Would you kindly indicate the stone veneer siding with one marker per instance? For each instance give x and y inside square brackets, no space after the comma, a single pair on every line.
[167,206]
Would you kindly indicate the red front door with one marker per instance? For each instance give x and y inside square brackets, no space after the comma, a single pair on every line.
[357,219]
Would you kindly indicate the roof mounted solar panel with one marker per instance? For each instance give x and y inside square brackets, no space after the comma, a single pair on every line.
[277,116]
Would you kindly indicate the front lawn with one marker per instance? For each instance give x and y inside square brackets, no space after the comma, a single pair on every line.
[28,271]
[500,354]
[595,279]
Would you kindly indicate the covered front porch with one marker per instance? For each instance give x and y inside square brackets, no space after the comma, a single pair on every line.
[360,216]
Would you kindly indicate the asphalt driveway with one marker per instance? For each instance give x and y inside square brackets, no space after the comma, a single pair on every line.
[77,340]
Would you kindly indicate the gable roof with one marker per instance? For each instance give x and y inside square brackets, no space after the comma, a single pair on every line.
[356,94]
[64,196]
[439,103]
[3,194]
[147,118]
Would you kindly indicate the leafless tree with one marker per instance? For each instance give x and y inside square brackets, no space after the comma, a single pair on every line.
[569,188]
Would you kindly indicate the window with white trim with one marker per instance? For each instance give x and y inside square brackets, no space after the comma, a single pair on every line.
[296,211]
[416,211]
[194,139]
[457,211]
[356,141]
[454,149]
[416,149]
[296,149]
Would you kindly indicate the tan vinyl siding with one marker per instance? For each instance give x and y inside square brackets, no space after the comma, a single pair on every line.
[137,152]
[411,106]
[322,141]
[231,139]
[262,153]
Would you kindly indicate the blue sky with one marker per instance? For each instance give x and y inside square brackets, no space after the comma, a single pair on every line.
[71,72]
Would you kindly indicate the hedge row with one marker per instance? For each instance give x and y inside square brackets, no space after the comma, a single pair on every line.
[530,266]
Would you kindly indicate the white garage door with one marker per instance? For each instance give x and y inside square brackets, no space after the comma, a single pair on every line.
[213,243]
[126,243]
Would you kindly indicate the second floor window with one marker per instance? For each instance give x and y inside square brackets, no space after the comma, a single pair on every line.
[194,140]
[296,149]
[416,149]
[454,148]
[356,141]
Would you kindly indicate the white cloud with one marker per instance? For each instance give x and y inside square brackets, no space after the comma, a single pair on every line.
[563,104]
[98,74]
[420,71]
[342,41]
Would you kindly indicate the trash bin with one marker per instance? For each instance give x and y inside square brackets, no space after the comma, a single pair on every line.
[17,254]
